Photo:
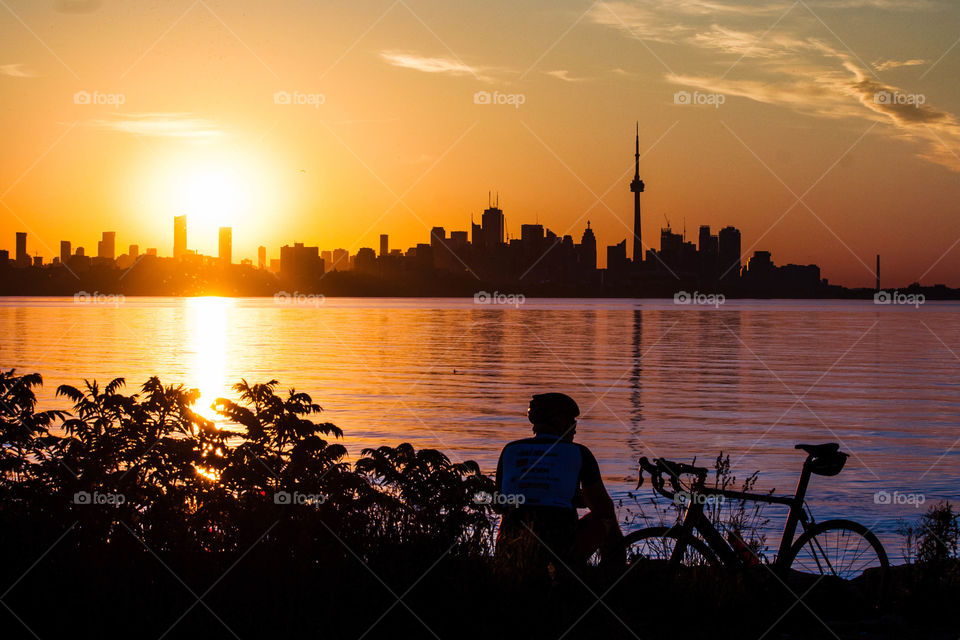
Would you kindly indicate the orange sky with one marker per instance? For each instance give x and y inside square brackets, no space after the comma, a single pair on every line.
[825,130]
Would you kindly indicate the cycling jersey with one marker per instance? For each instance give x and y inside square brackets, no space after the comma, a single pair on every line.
[546,471]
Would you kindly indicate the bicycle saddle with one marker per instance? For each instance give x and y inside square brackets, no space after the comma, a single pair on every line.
[817,450]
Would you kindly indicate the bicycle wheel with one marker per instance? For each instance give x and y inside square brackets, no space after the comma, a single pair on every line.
[841,548]
[658,543]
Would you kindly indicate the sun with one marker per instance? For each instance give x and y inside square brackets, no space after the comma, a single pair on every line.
[214,186]
[216,195]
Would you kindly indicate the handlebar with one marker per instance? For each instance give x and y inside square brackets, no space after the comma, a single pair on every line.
[673,470]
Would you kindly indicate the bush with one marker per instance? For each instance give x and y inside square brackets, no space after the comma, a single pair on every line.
[147,464]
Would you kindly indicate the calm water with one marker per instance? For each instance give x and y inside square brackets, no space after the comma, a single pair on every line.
[652,378]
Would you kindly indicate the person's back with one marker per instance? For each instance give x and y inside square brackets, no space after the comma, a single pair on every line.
[541,482]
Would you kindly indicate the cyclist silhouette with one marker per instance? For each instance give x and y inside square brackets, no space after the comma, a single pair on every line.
[541,481]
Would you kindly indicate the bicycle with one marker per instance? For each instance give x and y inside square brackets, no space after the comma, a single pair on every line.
[840,547]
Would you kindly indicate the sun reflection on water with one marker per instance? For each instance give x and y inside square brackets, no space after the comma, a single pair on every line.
[207,323]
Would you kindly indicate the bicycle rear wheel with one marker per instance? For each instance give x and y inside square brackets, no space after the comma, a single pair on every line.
[845,549]
[658,543]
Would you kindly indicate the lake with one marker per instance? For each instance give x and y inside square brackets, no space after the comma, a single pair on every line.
[749,378]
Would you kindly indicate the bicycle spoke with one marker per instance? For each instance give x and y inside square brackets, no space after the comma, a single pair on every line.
[839,551]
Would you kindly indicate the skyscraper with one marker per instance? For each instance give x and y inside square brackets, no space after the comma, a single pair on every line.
[262,257]
[226,245]
[384,244]
[107,247]
[707,252]
[728,253]
[23,260]
[65,251]
[340,259]
[179,236]
[636,186]
[588,248]
[476,234]
[492,224]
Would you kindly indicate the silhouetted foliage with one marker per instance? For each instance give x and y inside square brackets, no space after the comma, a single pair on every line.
[149,464]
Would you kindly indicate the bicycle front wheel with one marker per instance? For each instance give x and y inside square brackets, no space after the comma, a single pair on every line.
[841,548]
[658,543]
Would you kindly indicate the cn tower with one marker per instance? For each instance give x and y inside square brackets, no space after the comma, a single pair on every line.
[637,187]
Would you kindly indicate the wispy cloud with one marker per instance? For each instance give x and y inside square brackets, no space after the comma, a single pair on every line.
[16,70]
[161,125]
[896,64]
[788,67]
[431,64]
[563,74]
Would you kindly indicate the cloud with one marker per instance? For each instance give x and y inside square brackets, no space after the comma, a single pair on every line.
[16,70]
[680,21]
[788,67]
[426,64]
[895,64]
[848,91]
[161,125]
[563,74]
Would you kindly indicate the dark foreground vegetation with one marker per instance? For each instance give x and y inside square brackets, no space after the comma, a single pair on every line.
[133,516]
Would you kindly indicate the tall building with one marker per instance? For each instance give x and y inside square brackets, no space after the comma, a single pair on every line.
[107,246]
[728,252]
[636,186]
[341,260]
[384,244]
[134,251]
[707,251]
[65,251]
[366,260]
[476,234]
[617,257]
[226,245]
[439,251]
[262,257]
[23,260]
[179,236]
[300,265]
[492,226]
[588,248]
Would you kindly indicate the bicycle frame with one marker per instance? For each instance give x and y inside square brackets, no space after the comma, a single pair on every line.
[694,520]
